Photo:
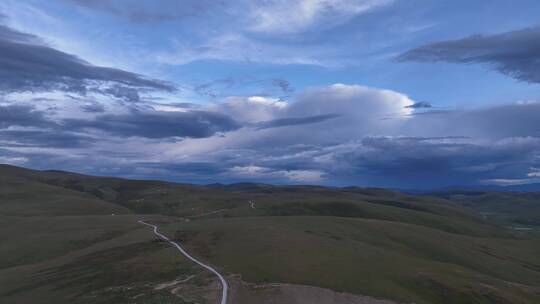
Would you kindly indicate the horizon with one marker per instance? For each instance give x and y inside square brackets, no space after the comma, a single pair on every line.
[533,188]
[417,95]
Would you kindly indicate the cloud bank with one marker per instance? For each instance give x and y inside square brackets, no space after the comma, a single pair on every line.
[337,135]
[29,65]
[59,111]
[515,53]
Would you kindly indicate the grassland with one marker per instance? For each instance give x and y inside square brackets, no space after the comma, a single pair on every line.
[385,259]
[107,271]
[73,238]
[521,209]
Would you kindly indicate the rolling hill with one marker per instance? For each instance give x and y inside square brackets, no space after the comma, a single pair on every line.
[75,238]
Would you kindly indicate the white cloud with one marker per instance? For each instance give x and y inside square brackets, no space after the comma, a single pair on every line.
[358,145]
[236,31]
[13,160]
[57,33]
[258,172]
[244,38]
[251,108]
[363,111]
[508,181]
[286,16]
[313,176]
[235,46]
[357,100]
[535,172]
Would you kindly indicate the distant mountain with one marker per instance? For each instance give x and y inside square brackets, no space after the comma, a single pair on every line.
[513,188]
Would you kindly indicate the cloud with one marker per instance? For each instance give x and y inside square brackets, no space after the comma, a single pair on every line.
[152,121]
[157,124]
[251,109]
[186,122]
[283,84]
[9,34]
[278,32]
[495,122]
[535,172]
[204,30]
[419,162]
[22,125]
[148,11]
[207,88]
[26,65]
[248,86]
[359,108]
[356,100]
[240,47]
[361,111]
[305,176]
[285,16]
[515,53]
[419,105]
[15,161]
[334,135]
[45,138]
[22,115]
[275,16]
[293,121]
[93,107]
[252,172]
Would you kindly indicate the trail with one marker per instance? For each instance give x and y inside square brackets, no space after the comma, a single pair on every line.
[224,285]
[208,213]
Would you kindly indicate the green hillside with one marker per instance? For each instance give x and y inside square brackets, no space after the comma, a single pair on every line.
[75,238]
[512,208]
[386,259]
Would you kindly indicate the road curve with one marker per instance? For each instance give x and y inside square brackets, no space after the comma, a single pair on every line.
[224,284]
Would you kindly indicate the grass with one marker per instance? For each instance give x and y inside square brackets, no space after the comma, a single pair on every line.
[62,243]
[369,257]
[520,209]
[107,271]
[33,239]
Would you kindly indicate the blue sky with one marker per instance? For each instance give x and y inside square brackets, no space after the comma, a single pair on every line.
[311,91]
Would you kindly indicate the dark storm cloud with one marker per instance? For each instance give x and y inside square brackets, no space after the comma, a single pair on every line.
[8,34]
[156,124]
[141,123]
[516,53]
[44,138]
[40,130]
[293,121]
[22,115]
[137,122]
[434,149]
[191,123]
[93,108]
[420,105]
[27,65]
[422,162]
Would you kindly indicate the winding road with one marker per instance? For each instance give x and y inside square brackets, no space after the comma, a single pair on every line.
[224,284]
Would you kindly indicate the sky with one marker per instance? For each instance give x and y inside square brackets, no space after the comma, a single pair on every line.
[415,94]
